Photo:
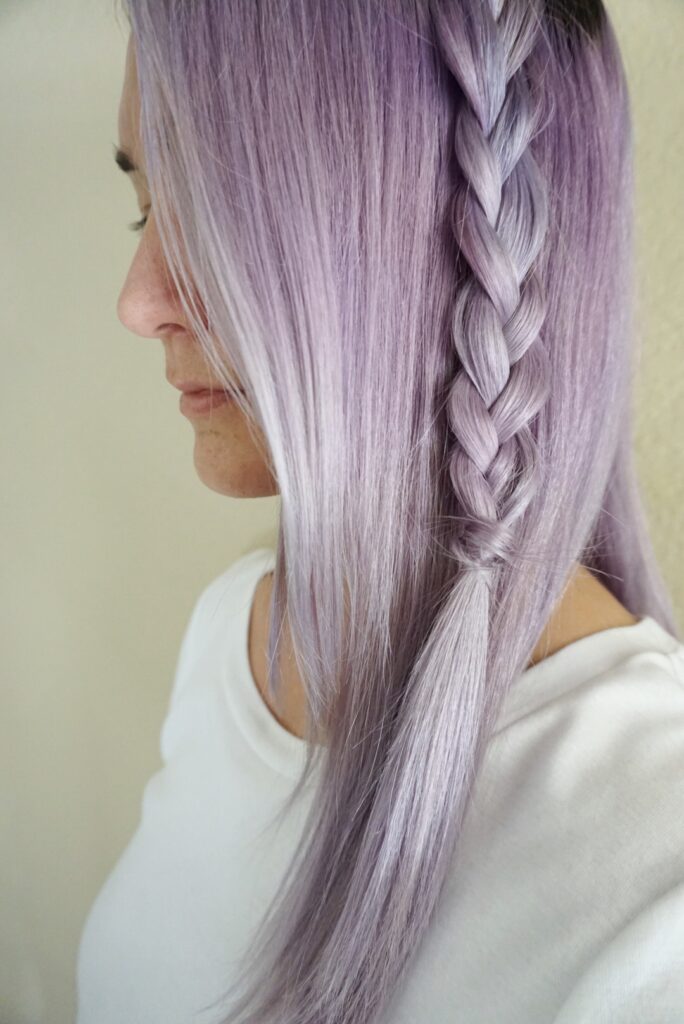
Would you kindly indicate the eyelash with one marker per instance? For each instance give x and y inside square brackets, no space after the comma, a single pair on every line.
[138,225]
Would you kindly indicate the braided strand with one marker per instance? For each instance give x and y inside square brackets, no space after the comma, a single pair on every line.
[499,217]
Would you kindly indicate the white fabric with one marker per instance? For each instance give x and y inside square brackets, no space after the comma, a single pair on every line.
[568,903]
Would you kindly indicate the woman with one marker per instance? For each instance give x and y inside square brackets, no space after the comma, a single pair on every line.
[393,243]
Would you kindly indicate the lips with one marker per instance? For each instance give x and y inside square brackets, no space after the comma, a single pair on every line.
[202,403]
[192,387]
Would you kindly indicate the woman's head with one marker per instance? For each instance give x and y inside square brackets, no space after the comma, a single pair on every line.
[404,229]
[229,457]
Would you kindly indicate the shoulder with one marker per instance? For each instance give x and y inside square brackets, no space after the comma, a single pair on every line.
[638,975]
[618,733]
[582,807]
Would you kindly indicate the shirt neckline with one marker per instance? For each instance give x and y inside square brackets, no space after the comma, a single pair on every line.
[538,684]
[280,749]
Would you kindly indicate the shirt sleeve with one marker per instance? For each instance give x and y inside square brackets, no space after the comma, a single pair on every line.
[638,978]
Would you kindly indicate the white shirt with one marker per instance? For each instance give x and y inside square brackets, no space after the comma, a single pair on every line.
[568,903]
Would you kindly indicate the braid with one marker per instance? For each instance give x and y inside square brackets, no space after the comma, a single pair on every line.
[499,217]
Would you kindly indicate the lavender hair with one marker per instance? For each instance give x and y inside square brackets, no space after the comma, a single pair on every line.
[407,225]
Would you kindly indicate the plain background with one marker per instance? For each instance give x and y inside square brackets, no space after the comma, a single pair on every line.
[109,534]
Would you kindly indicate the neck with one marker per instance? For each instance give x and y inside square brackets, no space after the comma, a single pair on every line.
[585,607]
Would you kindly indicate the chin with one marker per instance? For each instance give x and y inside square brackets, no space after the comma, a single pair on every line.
[235,478]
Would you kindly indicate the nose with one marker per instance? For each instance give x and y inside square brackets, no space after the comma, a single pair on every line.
[148,304]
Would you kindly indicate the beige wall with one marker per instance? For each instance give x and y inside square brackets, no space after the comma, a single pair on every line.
[109,535]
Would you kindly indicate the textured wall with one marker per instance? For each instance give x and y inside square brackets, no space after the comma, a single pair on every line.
[111,534]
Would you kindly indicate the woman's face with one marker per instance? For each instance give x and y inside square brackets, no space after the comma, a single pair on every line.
[226,457]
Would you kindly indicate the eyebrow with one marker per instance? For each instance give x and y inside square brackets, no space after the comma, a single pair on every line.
[123,160]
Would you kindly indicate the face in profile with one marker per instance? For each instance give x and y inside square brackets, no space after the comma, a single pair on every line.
[227,457]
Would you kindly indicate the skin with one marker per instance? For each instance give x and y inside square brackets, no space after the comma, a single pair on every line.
[229,461]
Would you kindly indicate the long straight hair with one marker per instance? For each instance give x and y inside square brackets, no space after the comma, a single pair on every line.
[407,226]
